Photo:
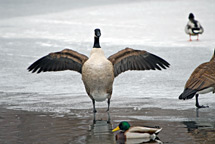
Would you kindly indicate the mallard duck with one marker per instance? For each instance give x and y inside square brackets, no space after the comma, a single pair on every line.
[193,27]
[136,132]
[98,72]
[201,81]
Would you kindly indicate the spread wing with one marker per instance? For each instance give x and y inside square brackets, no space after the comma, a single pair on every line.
[130,59]
[58,61]
[202,77]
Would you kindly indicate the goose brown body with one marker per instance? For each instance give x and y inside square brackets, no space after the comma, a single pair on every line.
[98,72]
[201,81]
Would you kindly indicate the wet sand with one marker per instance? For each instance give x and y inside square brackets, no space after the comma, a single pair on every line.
[78,126]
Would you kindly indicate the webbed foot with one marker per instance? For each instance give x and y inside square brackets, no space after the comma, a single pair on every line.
[94,111]
[202,106]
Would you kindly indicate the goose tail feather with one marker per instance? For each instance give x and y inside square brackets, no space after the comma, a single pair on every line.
[187,94]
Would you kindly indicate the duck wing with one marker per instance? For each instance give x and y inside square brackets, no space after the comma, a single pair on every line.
[130,59]
[194,28]
[139,129]
[58,61]
[202,78]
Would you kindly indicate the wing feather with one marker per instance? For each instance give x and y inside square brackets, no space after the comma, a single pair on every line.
[138,129]
[202,77]
[58,61]
[130,59]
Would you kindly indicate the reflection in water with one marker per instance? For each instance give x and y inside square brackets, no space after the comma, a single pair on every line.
[202,131]
[100,132]
[197,112]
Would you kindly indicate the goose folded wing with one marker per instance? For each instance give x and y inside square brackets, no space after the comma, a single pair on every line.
[58,61]
[130,59]
[202,78]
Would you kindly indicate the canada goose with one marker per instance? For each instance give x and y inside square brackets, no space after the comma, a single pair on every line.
[201,81]
[128,132]
[97,71]
[193,27]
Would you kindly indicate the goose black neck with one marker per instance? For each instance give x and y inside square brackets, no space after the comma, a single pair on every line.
[96,42]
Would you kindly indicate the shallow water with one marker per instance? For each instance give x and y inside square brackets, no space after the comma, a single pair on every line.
[80,126]
[54,107]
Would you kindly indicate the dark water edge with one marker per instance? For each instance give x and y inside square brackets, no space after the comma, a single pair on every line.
[78,126]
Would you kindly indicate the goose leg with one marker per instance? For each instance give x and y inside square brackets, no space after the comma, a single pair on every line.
[94,107]
[197,103]
[94,118]
[108,121]
[197,37]
[108,105]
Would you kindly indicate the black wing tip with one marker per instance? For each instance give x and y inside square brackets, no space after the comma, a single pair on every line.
[187,94]
[30,69]
[164,62]
[160,62]
[35,66]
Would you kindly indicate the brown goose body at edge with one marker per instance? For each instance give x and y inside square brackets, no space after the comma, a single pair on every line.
[201,81]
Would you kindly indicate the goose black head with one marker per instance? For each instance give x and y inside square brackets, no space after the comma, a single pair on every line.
[97,33]
[96,38]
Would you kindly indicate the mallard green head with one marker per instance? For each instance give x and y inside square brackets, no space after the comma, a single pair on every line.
[124,125]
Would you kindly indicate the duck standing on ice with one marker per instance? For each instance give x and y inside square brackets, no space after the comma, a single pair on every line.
[193,27]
